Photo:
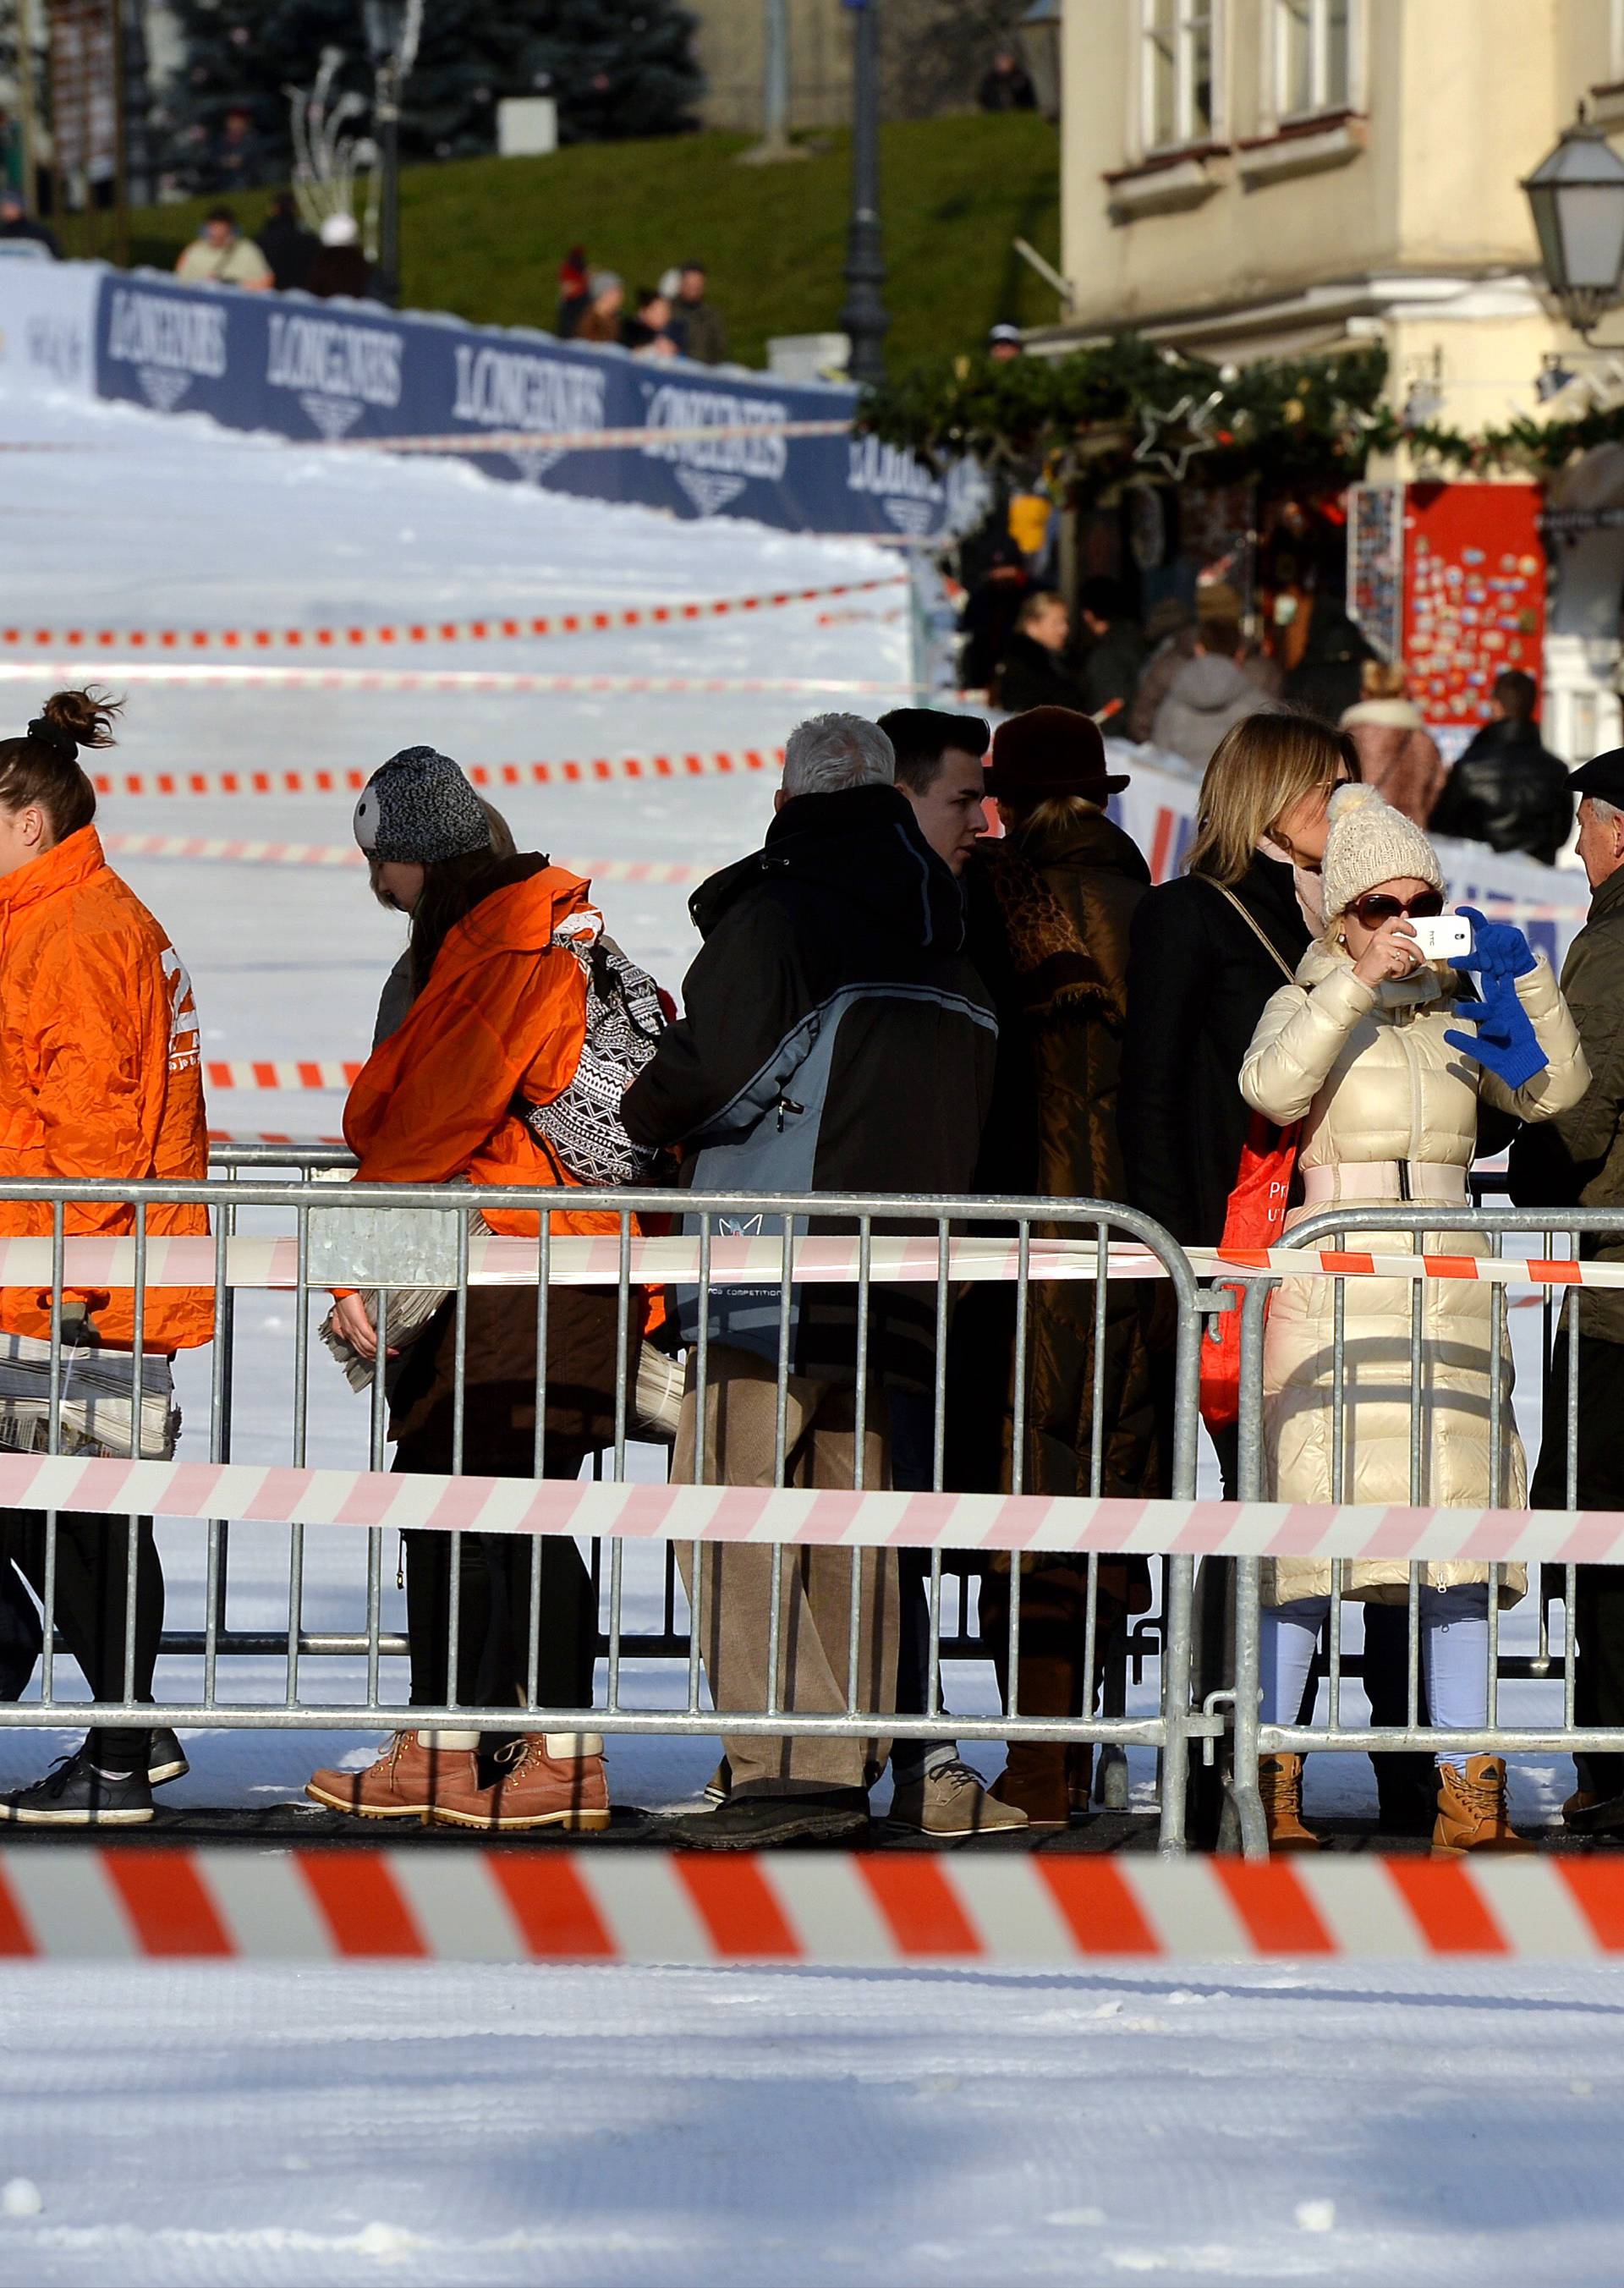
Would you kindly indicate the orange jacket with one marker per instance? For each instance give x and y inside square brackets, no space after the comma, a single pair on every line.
[503,1014]
[100,1074]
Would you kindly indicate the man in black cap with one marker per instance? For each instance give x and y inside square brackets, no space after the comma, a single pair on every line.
[1577,1160]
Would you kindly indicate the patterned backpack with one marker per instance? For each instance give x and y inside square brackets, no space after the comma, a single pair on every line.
[582,1127]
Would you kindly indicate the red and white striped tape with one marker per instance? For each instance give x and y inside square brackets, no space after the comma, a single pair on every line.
[355,1903]
[221,1139]
[486,627]
[450,679]
[1071,1523]
[245,853]
[596,770]
[283,1072]
[650,438]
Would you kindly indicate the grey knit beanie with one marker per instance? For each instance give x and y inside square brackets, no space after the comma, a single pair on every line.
[420,807]
[1370,842]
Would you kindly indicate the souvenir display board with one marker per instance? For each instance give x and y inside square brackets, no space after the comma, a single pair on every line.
[1375,565]
[1474,594]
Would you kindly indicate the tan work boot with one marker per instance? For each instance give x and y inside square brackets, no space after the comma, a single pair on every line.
[552,1779]
[1472,1814]
[949,1800]
[405,1782]
[1279,1781]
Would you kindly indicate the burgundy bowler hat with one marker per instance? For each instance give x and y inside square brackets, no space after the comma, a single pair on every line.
[1050,751]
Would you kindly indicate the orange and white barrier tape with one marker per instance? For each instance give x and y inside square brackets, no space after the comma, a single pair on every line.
[241,853]
[305,1072]
[221,1139]
[219,677]
[1068,1524]
[590,440]
[488,627]
[597,770]
[360,1903]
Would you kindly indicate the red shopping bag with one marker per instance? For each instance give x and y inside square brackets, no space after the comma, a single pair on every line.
[1255,1218]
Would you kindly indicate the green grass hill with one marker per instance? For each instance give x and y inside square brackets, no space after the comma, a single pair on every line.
[484,237]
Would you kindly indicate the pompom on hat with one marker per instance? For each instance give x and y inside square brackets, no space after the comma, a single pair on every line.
[1370,842]
[419,808]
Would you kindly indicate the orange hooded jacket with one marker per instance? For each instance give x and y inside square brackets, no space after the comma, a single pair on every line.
[101,1076]
[503,1014]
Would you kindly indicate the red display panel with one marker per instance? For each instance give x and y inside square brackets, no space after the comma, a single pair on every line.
[1473,601]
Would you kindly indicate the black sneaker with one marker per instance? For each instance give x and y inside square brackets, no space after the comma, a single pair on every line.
[766,1823]
[73,1793]
[1604,1816]
[165,1759]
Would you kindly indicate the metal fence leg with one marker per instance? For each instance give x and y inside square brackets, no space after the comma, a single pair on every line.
[1245,1801]
[1177,1664]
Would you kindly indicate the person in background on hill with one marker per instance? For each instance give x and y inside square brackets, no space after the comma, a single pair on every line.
[287,246]
[220,256]
[340,267]
[697,324]
[100,1076]
[1033,672]
[1207,694]
[649,333]
[573,294]
[237,159]
[1116,648]
[601,321]
[1005,343]
[17,222]
[1508,789]
[1397,754]
[1005,85]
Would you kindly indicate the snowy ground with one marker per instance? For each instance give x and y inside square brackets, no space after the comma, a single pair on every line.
[610,2126]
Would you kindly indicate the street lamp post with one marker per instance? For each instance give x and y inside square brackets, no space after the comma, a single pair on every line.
[385,23]
[864,318]
[1577,195]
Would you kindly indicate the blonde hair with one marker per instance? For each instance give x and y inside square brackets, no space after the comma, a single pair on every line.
[1382,679]
[1048,823]
[1260,769]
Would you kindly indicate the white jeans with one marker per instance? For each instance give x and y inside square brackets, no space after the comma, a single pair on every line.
[1454,1643]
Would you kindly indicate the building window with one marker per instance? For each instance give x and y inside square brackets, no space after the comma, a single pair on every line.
[1179,45]
[1314,57]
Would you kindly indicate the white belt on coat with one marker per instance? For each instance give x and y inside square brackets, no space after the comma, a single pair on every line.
[1399,1181]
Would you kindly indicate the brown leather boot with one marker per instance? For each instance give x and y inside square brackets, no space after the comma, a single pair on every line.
[563,1789]
[1280,1781]
[1033,1779]
[1472,1814]
[1080,1778]
[407,1781]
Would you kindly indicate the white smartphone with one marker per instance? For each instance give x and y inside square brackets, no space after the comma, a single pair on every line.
[1443,937]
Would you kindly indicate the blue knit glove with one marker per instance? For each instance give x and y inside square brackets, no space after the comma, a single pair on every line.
[1505,1043]
[1498,949]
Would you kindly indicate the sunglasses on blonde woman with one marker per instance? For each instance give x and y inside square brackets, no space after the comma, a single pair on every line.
[1379,906]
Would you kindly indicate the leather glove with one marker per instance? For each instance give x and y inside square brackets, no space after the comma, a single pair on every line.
[1498,949]
[1505,1043]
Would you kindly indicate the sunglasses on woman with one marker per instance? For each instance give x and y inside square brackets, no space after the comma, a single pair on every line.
[1379,906]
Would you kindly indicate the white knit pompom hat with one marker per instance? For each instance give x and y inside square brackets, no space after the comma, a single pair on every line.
[1371,842]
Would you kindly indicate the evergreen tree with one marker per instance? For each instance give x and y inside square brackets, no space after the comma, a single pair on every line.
[618,68]
[615,69]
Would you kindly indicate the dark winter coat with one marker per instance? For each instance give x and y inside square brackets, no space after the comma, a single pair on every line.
[1577,1160]
[1510,790]
[1030,676]
[289,248]
[341,272]
[703,336]
[835,1037]
[1196,983]
[1050,930]
[1111,669]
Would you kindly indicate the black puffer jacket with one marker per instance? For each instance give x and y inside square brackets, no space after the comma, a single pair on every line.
[1510,790]
[835,1037]
[1198,977]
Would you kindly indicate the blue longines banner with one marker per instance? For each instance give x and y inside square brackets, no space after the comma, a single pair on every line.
[335,370]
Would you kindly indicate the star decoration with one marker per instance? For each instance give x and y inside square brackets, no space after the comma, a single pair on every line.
[1173,436]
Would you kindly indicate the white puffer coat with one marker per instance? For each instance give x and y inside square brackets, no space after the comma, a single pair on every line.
[1370,1075]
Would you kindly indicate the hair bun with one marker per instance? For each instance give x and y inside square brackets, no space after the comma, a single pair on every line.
[57,737]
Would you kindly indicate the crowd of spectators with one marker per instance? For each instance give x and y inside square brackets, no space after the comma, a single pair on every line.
[286,256]
[674,318]
[1180,679]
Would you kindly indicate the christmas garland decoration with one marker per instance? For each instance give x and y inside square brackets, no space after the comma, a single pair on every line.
[1126,411]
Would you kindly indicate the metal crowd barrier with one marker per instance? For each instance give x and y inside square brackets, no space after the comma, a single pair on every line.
[1341,1227]
[424,1237]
